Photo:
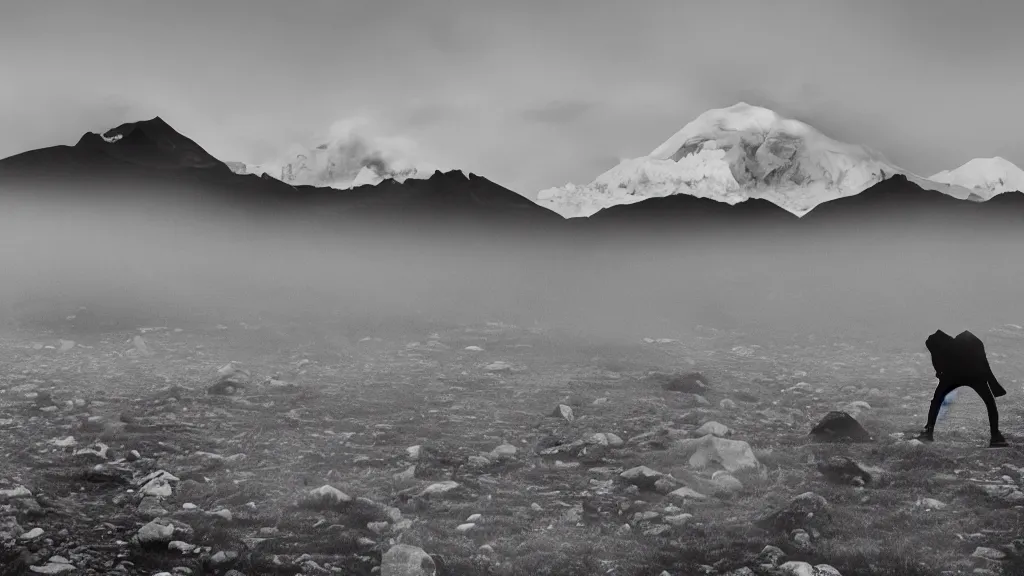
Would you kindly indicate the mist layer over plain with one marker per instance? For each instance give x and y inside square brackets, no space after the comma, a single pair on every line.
[167,263]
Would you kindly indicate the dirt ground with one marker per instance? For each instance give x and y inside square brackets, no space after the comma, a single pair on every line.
[119,458]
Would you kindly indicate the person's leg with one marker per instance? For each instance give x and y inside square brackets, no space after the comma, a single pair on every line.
[941,391]
[993,415]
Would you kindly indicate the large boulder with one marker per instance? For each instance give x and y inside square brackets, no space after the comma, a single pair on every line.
[839,426]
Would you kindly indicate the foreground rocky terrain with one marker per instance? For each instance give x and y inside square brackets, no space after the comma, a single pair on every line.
[275,448]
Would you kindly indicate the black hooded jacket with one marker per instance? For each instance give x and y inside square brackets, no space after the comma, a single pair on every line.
[962,360]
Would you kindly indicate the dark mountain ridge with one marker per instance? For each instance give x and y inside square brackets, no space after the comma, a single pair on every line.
[898,201]
[153,157]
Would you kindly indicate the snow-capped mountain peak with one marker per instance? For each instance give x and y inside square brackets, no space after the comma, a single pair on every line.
[732,154]
[351,157]
[985,177]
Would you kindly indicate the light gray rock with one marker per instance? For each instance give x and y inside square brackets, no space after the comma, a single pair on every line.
[732,455]
[795,568]
[406,560]
[714,428]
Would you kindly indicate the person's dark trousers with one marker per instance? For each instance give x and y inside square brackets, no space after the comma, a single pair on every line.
[982,390]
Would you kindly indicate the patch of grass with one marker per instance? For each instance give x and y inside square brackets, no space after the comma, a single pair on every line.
[916,459]
[872,556]
[974,496]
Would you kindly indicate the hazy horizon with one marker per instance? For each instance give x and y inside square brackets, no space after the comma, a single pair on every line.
[930,84]
[176,261]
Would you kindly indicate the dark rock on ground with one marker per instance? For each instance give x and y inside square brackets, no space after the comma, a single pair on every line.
[806,510]
[839,426]
[844,470]
[691,382]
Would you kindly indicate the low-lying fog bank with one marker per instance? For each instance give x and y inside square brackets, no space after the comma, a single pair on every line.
[895,284]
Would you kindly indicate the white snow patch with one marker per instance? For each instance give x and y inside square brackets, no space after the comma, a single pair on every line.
[986,177]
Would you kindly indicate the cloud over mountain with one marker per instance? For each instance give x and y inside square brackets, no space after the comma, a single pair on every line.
[352,153]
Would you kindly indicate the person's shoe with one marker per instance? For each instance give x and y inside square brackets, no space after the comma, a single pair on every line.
[926,435]
[998,442]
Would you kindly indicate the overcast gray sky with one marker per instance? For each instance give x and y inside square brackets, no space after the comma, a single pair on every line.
[530,93]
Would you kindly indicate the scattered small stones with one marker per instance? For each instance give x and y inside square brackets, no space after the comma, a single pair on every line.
[640,502]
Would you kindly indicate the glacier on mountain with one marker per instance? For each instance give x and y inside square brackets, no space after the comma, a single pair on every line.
[985,177]
[730,155]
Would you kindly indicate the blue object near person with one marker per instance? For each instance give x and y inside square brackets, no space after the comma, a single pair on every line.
[946,403]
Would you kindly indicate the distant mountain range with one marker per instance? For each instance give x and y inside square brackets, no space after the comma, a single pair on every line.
[747,162]
[742,152]
[150,155]
[347,161]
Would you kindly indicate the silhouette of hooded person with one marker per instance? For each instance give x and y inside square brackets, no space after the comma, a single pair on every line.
[958,362]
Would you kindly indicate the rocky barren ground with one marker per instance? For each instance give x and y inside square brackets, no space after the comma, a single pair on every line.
[262,448]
